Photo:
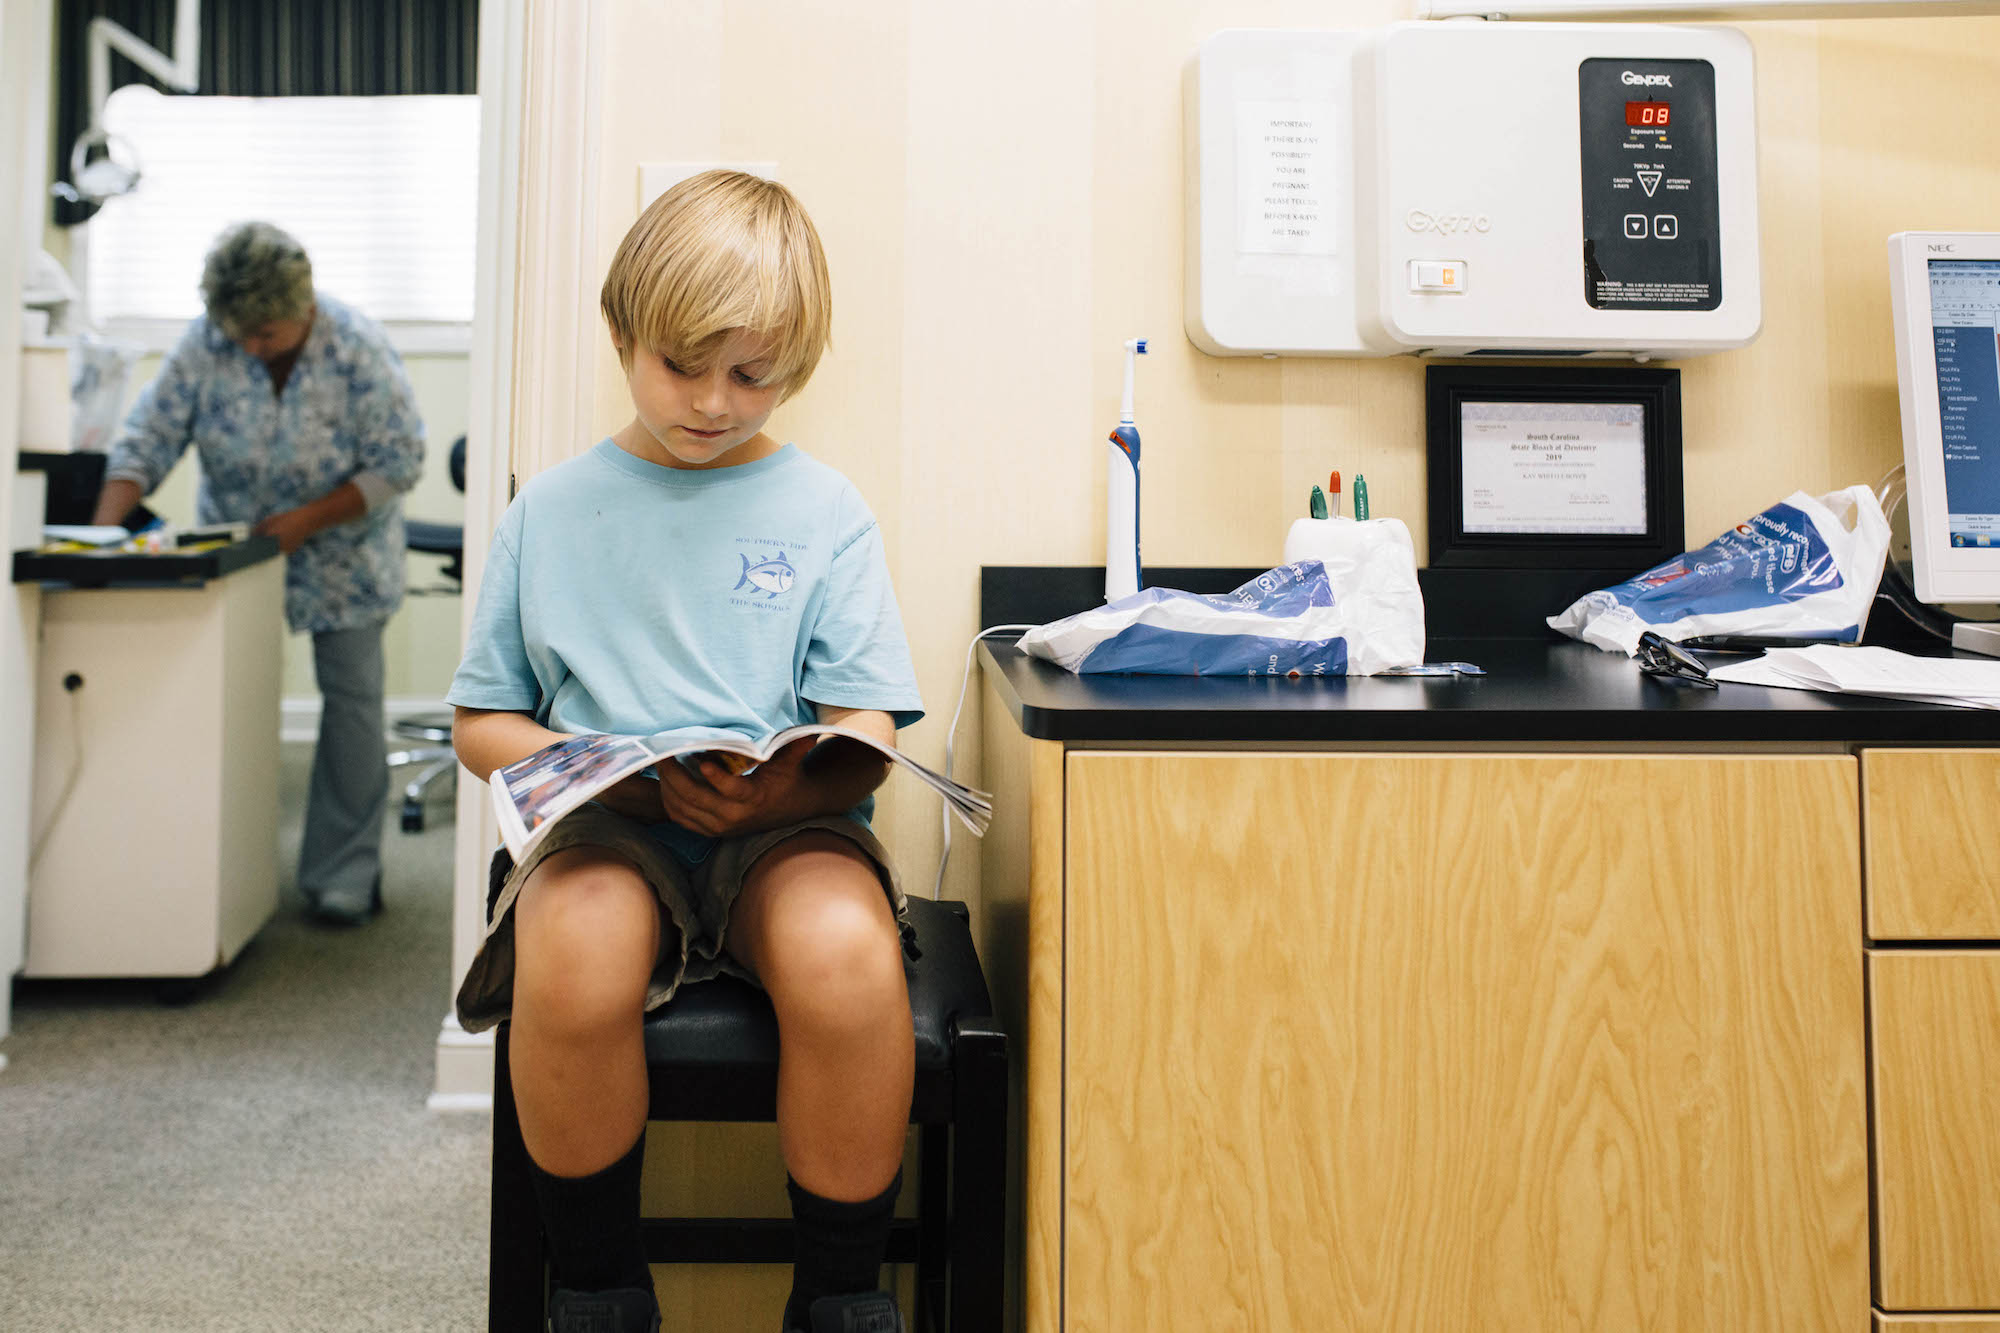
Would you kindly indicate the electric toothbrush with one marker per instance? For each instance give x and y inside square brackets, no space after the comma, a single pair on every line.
[1121,521]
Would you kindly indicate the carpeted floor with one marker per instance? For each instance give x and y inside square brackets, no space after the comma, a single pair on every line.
[260,1158]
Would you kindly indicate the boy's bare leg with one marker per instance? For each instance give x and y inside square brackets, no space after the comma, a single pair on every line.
[586,931]
[813,923]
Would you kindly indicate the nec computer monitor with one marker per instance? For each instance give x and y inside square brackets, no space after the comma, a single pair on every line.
[1945,289]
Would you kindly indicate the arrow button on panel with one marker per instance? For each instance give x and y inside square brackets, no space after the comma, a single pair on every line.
[1649,181]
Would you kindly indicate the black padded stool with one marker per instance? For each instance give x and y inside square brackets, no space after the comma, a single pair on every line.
[712,1054]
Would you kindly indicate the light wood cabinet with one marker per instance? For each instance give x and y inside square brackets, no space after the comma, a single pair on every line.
[1936,1323]
[1936,1053]
[1933,876]
[1443,1041]
[1933,861]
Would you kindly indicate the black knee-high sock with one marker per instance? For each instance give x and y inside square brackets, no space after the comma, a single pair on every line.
[839,1246]
[592,1224]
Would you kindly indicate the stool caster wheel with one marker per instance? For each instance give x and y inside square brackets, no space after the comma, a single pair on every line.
[413,816]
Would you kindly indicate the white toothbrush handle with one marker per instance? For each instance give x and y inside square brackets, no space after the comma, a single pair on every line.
[1121,525]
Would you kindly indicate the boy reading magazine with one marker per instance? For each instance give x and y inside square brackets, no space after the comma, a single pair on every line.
[692,572]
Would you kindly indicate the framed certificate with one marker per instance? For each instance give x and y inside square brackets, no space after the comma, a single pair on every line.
[1535,468]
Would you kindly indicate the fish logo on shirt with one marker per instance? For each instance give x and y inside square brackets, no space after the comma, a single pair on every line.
[773,576]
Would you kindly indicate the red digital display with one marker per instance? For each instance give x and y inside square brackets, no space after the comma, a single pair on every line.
[1645,113]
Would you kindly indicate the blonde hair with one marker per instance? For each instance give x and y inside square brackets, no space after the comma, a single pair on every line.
[718,252]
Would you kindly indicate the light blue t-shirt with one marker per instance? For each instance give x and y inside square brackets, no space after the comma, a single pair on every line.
[626,597]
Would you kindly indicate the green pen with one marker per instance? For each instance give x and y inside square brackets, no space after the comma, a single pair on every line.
[1316,506]
[1360,497]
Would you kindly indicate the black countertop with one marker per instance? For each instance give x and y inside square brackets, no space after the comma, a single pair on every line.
[1539,686]
[112,568]
[1546,690]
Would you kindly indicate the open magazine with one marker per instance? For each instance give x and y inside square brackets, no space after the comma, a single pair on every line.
[530,795]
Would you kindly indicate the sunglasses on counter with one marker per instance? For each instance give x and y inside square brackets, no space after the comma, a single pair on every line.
[1663,657]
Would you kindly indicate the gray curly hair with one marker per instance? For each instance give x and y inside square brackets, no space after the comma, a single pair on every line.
[255,273]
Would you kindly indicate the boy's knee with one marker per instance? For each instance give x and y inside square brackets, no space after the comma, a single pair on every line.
[586,928]
[847,968]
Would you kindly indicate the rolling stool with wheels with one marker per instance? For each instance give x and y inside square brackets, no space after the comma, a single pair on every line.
[439,760]
[440,764]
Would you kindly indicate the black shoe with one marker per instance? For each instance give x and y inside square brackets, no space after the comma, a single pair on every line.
[625,1310]
[864,1312]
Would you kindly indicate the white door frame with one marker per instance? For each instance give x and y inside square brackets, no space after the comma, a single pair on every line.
[27,59]
[541,68]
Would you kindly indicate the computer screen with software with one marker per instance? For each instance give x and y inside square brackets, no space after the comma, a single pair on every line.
[1945,290]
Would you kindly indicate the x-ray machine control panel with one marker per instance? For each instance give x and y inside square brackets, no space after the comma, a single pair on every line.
[1651,239]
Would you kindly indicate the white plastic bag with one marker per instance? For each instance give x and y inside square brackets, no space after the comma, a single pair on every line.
[1286,622]
[1795,570]
[1371,564]
[98,371]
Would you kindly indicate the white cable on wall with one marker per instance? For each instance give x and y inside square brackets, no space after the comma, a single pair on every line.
[951,739]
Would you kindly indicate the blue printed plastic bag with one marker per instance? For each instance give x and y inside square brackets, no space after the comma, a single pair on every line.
[1795,570]
[1281,623]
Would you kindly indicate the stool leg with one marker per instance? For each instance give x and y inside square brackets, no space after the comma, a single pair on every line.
[516,1256]
[978,1178]
[418,787]
[933,1224]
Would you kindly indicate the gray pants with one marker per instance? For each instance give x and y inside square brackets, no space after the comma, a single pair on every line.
[340,856]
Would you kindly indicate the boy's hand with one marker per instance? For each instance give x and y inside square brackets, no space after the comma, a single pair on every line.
[719,803]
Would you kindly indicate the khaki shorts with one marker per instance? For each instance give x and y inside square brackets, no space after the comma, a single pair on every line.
[694,902]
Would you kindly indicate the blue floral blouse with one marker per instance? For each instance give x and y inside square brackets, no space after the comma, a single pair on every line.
[347,413]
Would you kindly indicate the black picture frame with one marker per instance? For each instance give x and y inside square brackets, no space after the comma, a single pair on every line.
[1657,391]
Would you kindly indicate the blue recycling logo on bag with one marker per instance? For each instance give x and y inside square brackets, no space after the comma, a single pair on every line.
[1776,557]
[1147,650]
[1286,592]
[1298,619]
[1281,623]
[1796,570]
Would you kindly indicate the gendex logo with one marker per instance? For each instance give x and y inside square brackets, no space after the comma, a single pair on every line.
[1633,80]
[1446,224]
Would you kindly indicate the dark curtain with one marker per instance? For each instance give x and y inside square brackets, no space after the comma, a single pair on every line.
[274,48]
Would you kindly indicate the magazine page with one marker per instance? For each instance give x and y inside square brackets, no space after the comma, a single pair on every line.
[930,775]
[974,808]
[529,796]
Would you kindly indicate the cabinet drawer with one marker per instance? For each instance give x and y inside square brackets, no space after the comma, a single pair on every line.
[1936,1017]
[1932,862]
[1936,1323]
[1379,1043]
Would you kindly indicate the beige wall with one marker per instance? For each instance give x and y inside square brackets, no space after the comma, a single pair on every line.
[420,645]
[999,189]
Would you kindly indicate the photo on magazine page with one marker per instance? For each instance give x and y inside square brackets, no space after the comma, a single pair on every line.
[557,779]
